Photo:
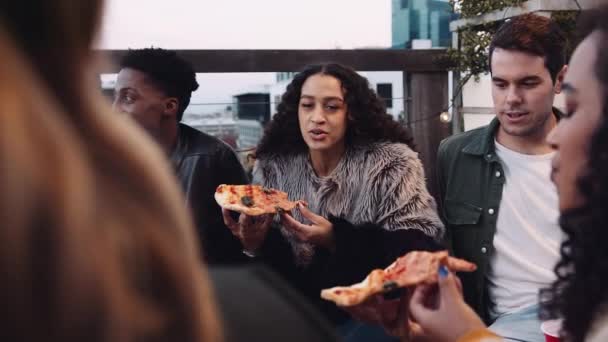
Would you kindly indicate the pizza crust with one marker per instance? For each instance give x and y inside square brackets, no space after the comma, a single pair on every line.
[357,293]
[245,210]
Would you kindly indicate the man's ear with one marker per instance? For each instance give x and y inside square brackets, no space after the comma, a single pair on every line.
[171,107]
[559,80]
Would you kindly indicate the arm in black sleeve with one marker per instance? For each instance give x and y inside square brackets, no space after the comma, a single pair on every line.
[220,245]
[276,252]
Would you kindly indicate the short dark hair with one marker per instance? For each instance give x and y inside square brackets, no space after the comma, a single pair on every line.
[174,75]
[535,35]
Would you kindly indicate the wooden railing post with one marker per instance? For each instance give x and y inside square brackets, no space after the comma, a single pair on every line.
[429,94]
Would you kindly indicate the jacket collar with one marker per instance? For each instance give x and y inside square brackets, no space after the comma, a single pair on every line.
[483,143]
[181,145]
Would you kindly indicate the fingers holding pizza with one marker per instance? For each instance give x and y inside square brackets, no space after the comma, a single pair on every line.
[258,205]
[384,311]
[251,230]
[318,232]
[391,313]
[384,295]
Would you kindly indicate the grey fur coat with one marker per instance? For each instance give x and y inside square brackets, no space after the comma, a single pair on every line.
[381,183]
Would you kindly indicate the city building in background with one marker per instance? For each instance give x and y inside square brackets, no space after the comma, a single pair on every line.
[252,113]
[421,22]
[218,124]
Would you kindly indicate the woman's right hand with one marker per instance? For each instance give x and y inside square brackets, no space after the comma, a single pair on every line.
[251,230]
[441,312]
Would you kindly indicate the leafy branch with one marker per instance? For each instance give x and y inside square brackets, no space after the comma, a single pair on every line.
[473,8]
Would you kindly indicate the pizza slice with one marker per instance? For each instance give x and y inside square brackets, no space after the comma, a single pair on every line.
[253,200]
[412,269]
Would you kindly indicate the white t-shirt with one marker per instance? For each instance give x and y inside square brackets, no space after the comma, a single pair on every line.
[528,236]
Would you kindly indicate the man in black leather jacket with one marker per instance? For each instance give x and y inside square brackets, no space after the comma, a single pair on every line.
[154,87]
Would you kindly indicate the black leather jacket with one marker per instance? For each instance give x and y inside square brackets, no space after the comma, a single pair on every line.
[202,163]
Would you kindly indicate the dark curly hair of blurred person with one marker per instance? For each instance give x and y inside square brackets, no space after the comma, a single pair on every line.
[580,292]
[367,118]
[174,75]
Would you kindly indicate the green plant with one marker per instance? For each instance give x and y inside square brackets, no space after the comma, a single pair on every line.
[473,8]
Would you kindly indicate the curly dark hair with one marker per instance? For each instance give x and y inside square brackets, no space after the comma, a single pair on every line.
[580,292]
[171,73]
[367,118]
[535,35]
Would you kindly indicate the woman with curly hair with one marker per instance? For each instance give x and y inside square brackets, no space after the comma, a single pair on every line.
[580,293]
[333,145]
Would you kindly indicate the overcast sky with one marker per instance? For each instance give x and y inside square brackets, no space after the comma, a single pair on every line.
[244,24]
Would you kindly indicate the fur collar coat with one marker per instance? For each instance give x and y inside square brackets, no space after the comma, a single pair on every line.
[380,183]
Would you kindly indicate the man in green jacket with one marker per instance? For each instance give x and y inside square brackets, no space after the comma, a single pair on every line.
[496,197]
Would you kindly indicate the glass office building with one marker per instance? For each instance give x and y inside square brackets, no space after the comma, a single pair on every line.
[421,19]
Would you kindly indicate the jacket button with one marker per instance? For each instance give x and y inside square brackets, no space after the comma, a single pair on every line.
[498,174]
[491,211]
[484,250]
[489,156]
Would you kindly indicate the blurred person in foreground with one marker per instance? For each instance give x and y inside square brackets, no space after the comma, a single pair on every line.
[154,87]
[96,244]
[579,169]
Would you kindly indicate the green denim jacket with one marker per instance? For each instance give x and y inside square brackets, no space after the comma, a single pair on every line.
[471,178]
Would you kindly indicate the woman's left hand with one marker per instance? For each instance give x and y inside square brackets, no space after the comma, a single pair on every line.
[391,314]
[319,232]
[387,313]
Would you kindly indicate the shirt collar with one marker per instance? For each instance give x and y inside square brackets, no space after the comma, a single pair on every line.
[483,144]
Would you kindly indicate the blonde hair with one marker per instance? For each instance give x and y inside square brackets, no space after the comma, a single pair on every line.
[96,243]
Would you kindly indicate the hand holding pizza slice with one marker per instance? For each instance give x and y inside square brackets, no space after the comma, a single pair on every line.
[371,300]
[257,206]
[415,268]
